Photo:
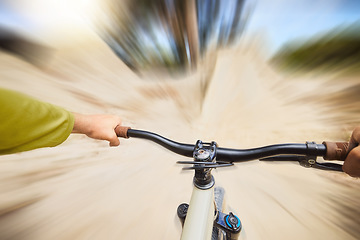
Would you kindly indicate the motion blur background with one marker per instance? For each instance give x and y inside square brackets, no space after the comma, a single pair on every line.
[242,73]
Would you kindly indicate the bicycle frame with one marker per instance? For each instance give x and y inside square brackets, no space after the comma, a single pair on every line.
[200,216]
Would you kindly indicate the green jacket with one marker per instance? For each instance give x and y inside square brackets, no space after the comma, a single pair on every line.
[26,123]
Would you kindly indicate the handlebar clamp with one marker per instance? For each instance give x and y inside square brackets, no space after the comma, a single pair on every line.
[311,156]
[206,153]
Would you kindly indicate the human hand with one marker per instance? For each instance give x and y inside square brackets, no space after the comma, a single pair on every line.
[101,127]
[352,162]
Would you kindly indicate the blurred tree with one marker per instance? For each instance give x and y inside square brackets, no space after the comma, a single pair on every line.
[20,46]
[170,34]
[338,48]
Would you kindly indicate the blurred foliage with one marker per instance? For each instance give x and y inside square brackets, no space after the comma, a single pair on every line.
[170,35]
[23,47]
[338,49]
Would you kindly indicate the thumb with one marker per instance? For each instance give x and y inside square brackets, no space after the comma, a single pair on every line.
[352,163]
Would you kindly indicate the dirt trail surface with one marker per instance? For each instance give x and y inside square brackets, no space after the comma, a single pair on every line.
[83,189]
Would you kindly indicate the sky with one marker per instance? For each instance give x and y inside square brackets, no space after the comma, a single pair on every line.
[47,19]
[280,21]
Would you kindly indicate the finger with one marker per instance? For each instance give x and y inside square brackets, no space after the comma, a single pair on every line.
[116,121]
[352,163]
[114,142]
[355,136]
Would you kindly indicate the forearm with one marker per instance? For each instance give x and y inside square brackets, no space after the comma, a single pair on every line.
[81,123]
[101,127]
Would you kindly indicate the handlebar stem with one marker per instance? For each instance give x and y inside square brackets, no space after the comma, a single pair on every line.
[204,152]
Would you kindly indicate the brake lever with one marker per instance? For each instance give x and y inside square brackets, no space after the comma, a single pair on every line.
[328,166]
[306,161]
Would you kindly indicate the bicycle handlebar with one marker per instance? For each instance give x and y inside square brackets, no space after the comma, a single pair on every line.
[328,150]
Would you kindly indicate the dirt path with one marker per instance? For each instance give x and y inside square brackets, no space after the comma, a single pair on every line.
[83,189]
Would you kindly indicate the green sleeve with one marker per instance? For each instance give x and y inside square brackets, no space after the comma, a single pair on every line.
[26,123]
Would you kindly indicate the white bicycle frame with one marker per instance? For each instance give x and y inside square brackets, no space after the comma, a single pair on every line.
[200,216]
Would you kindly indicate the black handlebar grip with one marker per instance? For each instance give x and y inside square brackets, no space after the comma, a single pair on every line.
[337,150]
[121,131]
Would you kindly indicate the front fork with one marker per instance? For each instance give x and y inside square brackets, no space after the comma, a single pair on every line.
[228,224]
